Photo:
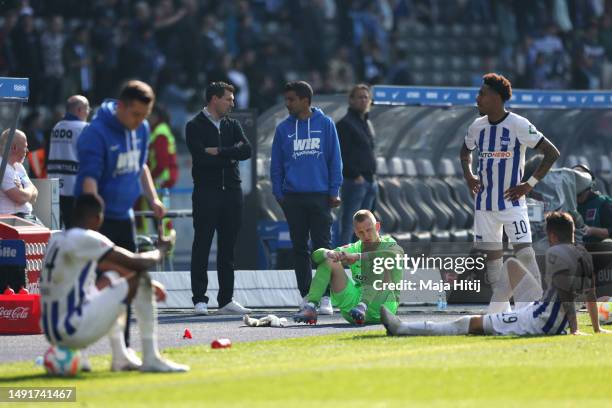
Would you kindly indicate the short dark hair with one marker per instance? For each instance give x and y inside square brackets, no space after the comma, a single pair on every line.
[135,90]
[499,84]
[86,205]
[301,88]
[161,112]
[561,224]
[218,89]
[358,87]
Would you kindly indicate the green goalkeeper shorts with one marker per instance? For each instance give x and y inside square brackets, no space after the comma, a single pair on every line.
[350,297]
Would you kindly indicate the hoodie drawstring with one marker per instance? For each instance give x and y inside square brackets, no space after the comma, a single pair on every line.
[296,128]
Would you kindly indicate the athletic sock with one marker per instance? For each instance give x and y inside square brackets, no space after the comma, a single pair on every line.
[500,284]
[533,290]
[526,291]
[319,283]
[428,328]
[146,313]
[116,337]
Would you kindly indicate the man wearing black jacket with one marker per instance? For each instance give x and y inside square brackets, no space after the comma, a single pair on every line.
[356,135]
[216,144]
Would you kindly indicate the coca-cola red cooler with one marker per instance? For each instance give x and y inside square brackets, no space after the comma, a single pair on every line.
[20,314]
[22,248]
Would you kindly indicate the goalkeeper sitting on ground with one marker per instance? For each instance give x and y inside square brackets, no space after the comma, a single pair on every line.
[356,297]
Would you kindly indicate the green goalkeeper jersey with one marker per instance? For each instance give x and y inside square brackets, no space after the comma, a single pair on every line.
[364,274]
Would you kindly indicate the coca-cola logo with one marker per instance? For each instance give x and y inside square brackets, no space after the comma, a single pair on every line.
[16,313]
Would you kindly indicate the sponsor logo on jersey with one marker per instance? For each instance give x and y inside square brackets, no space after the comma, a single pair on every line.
[495,155]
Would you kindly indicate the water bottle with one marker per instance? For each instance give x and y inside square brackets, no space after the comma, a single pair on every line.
[165,197]
[442,301]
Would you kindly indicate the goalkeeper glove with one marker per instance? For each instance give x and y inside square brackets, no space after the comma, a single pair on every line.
[358,313]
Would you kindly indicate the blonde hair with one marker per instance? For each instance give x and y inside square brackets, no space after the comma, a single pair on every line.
[362,215]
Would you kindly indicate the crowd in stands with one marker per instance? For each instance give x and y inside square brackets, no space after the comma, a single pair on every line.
[71,47]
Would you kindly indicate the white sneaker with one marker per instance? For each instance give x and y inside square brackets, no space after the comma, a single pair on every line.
[201,308]
[233,308]
[325,307]
[128,362]
[161,365]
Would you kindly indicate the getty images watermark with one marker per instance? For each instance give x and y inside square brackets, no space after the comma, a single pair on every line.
[403,262]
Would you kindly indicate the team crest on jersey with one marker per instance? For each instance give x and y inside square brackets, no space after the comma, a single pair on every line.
[505,140]
[591,214]
[495,155]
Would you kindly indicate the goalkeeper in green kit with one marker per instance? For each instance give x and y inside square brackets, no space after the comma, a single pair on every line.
[360,296]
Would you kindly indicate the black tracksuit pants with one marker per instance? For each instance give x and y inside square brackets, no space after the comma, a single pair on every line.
[308,216]
[123,234]
[221,211]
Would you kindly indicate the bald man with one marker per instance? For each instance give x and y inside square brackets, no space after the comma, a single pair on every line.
[17,193]
[63,162]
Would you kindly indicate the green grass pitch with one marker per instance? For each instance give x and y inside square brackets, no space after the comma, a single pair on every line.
[366,369]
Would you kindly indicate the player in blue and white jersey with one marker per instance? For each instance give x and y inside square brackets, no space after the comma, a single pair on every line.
[501,138]
[78,310]
[569,278]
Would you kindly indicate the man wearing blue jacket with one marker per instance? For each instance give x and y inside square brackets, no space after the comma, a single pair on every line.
[112,153]
[306,172]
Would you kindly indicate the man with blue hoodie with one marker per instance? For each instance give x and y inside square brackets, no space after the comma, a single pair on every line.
[112,153]
[306,172]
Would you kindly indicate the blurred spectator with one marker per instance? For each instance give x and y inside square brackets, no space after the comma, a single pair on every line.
[308,19]
[25,41]
[7,58]
[399,73]
[189,29]
[211,42]
[141,57]
[562,16]
[374,66]
[594,51]
[52,41]
[105,49]
[240,82]
[506,21]
[340,71]
[605,35]
[79,65]
[176,44]
[37,143]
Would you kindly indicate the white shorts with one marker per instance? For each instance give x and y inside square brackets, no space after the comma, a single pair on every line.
[100,311]
[488,227]
[519,323]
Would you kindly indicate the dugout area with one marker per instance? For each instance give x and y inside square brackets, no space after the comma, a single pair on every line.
[423,200]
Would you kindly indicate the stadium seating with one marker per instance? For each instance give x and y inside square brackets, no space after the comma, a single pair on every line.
[468,50]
